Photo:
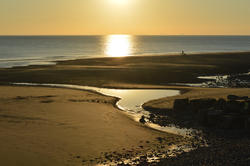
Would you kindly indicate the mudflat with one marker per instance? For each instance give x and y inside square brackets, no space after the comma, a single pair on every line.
[112,72]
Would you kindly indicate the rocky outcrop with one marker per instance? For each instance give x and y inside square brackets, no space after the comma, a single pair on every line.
[197,104]
[234,97]
[181,104]
[233,113]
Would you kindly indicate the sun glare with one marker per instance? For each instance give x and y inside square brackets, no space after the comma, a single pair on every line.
[119,2]
[118,45]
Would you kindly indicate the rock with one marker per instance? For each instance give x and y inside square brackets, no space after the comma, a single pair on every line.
[247,123]
[202,116]
[160,139]
[152,118]
[234,97]
[142,120]
[198,104]
[233,121]
[221,103]
[245,106]
[213,117]
[143,158]
[233,106]
[226,122]
[181,104]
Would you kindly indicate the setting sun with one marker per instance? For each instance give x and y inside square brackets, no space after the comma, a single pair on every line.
[120,2]
[118,45]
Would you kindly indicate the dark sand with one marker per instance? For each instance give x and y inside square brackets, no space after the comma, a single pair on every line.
[151,70]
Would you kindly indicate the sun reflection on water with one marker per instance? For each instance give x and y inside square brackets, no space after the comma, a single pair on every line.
[118,45]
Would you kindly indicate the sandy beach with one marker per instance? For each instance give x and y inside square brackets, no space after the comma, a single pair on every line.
[54,126]
[46,126]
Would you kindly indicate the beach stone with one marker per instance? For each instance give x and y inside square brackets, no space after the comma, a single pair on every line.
[160,139]
[163,121]
[151,118]
[234,121]
[244,98]
[247,106]
[181,104]
[226,122]
[143,158]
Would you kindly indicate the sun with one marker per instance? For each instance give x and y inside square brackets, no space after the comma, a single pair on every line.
[118,45]
[119,2]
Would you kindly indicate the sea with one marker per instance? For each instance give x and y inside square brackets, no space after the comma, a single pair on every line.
[44,50]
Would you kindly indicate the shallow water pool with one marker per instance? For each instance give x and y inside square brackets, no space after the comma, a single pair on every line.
[131,101]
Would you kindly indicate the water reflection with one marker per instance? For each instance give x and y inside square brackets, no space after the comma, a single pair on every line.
[118,45]
[131,101]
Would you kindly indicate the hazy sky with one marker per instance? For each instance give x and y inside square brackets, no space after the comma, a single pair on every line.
[159,17]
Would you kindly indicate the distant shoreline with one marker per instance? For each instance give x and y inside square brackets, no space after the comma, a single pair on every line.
[47,50]
[51,63]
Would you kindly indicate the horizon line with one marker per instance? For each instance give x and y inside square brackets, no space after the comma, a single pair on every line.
[135,35]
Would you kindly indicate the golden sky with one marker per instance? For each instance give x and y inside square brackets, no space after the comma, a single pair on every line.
[143,17]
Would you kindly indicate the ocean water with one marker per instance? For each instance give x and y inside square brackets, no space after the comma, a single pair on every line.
[30,50]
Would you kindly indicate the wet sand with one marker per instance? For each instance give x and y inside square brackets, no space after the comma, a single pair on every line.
[53,126]
[142,70]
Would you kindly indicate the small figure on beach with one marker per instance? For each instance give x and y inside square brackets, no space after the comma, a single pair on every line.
[182,52]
